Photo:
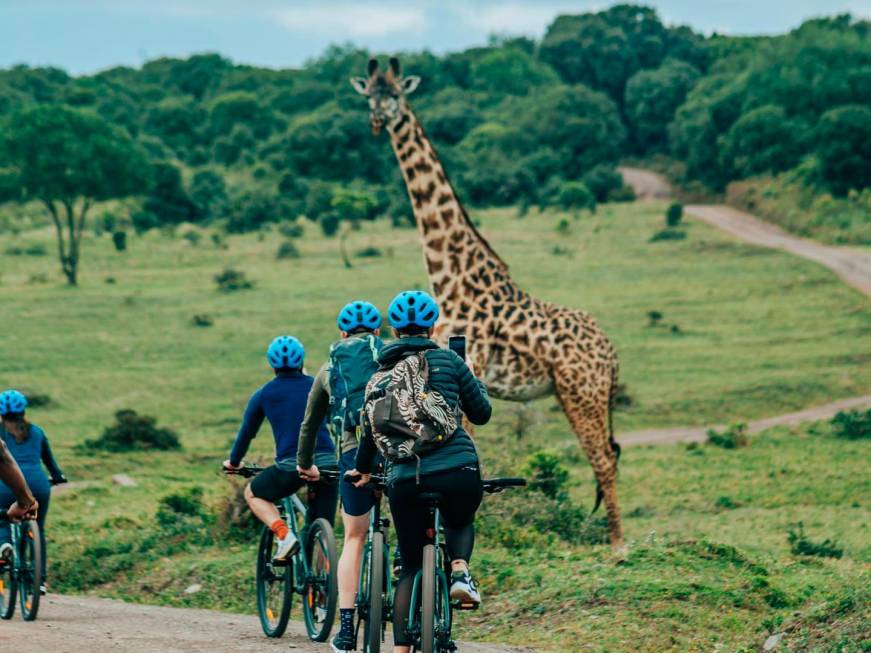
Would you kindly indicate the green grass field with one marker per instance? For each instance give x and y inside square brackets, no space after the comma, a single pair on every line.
[758,333]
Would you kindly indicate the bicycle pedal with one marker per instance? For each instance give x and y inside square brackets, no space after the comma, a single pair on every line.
[280,563]
[457,605]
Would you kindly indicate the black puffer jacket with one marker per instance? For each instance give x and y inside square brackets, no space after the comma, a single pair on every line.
[448,375]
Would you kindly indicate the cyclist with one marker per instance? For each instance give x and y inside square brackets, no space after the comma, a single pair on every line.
[25,505]
[451,469]
[29,447]
[282,402]
[338,390]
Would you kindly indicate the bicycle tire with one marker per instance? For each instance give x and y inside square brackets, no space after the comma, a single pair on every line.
[322,591]
[30,570]
[8,588]
[428,600]
[373,633]
[272,620]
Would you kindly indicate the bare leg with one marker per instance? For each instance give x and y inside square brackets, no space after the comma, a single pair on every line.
[264,510]
[356,528]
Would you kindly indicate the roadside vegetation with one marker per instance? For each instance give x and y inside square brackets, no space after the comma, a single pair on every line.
[759,333]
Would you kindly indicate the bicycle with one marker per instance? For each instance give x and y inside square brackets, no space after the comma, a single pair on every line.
[310,572]
[374,602]
[21,575]
[430,616]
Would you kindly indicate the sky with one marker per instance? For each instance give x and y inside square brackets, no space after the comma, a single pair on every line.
[85,36]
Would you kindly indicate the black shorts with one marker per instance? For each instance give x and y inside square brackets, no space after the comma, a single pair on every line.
[274,484]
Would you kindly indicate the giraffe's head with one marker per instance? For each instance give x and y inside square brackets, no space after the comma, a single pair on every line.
[386,92]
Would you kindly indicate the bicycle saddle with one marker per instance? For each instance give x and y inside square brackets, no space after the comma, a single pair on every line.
[430,498]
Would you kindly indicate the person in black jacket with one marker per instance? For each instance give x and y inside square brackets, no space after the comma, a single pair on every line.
[452,469]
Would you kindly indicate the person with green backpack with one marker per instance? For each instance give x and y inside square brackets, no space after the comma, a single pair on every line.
[338,393]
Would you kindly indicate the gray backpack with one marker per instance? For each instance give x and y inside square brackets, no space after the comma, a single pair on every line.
[406,416]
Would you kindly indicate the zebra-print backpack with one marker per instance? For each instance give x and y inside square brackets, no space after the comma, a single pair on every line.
[406,416]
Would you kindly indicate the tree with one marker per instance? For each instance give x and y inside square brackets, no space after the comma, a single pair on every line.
[208,192]
[68,159]
[168,200]
[762,140]
[843,146]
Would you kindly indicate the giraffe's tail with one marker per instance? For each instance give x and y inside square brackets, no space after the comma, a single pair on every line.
[615,446]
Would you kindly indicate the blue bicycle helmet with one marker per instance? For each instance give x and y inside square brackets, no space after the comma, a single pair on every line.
[358,314]
[12,401]
[413,308]
[285,351]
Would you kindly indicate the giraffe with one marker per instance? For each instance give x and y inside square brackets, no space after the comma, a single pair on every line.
[520,346]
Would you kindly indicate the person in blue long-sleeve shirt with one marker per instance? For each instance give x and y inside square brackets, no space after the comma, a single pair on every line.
[282,402]
[29,447]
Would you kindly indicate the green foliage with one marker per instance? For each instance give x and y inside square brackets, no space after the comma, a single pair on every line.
[119,240]
[674,214]
[250,210]
[133,432]
[852,424]
[603,181]
[733,437]
[843,146]
[800,545]
[286,250]
[208,192]
[186,503]
[762,140]
[231,280]
[668,234]
[547,474]
[329,223]
[202,320]
[291,229]
[575,195]
[168,200]
[37,249]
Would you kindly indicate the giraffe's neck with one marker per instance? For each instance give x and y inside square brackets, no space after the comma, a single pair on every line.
[461,265]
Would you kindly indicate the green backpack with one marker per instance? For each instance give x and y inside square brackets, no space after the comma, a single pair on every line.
[352,362]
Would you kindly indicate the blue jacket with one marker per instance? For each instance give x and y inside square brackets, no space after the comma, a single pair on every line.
[282,401]
[30,453]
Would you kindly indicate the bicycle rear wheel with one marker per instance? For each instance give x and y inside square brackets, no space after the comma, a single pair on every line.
[374,630]
[321,591]
[428,601]
[274,588]
[30,570]
[8,588]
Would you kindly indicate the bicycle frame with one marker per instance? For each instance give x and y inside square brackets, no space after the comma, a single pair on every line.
[443,629]
[376,524]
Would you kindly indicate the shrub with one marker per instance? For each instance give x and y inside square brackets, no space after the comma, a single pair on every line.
[559,250]
[202,320]
[369,252]
[193,237]
[653,318]
[853,424]
[547,474]
[287,250]
[119,240]
[40,277]
[725,503]
[37,399]
[734,437]
[674,215]
[602,181]
[668,234]
[144,221]
[574,195]
[329,223]
[291,229]
[231,280]
[622,398]
[622,194]
[235,520]
[563,226]
[133,432]
[36,249]
[799,544]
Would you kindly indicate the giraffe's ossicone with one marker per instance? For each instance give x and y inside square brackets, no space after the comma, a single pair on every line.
[520,346]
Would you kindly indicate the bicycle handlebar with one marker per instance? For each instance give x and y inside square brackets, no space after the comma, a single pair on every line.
[252,470]
[498,484]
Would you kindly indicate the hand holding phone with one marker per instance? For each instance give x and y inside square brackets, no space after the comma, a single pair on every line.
[457,344]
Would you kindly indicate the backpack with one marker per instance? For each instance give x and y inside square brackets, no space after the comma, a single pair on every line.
[352,363]
[406,416]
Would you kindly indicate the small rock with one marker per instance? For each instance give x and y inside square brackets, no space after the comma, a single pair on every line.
[772,642]
[193,589]
[123,480]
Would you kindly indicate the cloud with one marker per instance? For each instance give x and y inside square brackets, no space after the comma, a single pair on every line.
[357,20]
[516,17]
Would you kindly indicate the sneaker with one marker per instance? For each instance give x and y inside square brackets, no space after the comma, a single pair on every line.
[343,644]
[5,553]
[463,588]
[42,590]
[287,547]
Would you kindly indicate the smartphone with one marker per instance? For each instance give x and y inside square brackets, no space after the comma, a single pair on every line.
[458,345]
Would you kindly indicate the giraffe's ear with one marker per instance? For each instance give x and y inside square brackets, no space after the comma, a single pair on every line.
[361,85]
[410,84]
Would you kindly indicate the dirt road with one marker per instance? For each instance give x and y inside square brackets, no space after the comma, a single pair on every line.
[71,624]
[852,265]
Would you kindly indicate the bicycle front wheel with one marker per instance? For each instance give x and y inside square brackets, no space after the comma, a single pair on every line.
[321,590]
[377,586]
[274,588]
[8,588]
[30,570]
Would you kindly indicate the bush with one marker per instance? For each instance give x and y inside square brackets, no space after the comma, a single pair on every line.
[329,223]
[231,280]
[291,229]
[668,234]
[853,424]
[37,278]
[733,437]
[369,252]
[654,318]
[287,250]
[575,195]
[144,221]
[193,237]
[133,432]
[799,544]
[234,519]
[602,181]
[547,474]
[119,240]
[37,399]
[29,250]
[622,398]
[674,215]
[202,320]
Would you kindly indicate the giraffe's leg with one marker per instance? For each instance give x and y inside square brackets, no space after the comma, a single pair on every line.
[587,412]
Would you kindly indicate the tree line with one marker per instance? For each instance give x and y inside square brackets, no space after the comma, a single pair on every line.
[517,121]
